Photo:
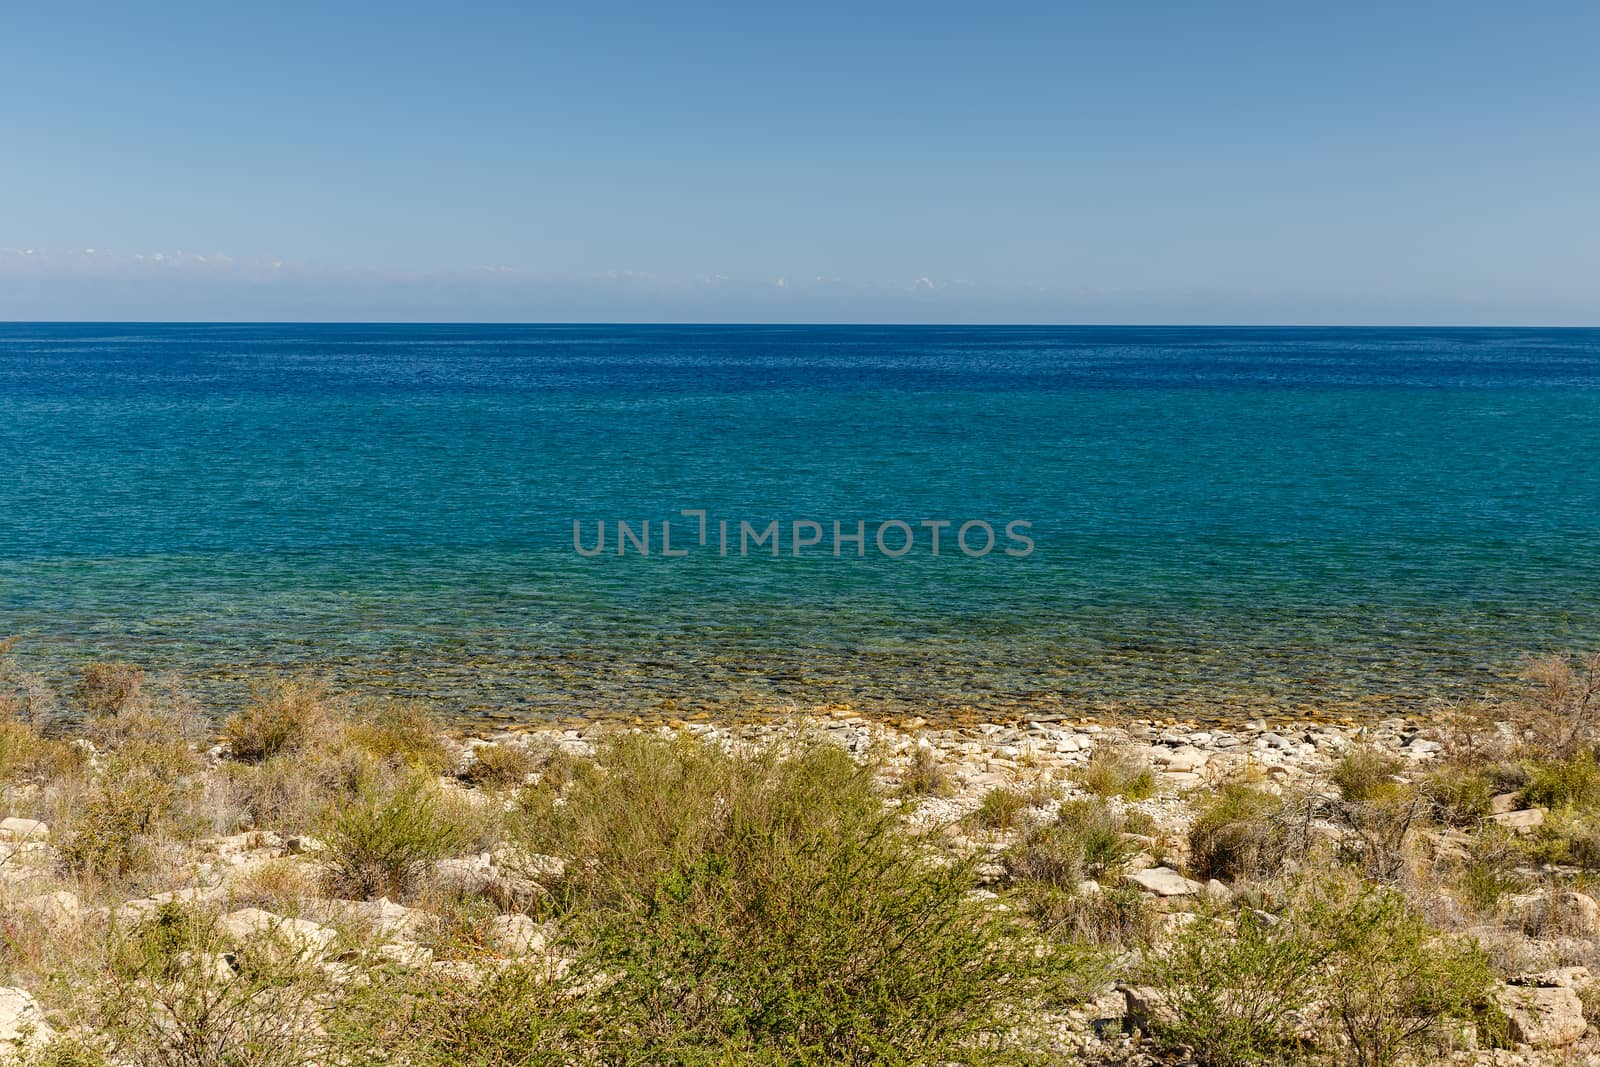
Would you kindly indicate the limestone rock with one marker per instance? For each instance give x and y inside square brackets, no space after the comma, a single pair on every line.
[406,954]
[513,884]
[22,1025]
[1523,822]
[517,935]
[249,923]
[388,919]
[144,906]
[60,908]
[1501,803]
[1146,1008]
[1544,1017]
[1573,977]
[1165,882]
[1560,911]
[528,864]
[16,829]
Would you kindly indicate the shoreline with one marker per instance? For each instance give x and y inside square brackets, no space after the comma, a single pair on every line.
[347,846]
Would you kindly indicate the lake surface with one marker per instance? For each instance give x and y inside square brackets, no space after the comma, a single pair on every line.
[1223,520]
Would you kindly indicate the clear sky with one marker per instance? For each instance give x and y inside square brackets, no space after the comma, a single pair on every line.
[865,161]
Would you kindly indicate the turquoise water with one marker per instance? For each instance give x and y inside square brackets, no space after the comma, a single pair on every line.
[1224,519]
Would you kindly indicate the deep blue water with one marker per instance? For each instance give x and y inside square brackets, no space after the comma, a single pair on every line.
[1225,519]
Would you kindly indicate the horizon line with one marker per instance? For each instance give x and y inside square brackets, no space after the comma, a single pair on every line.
[808,325]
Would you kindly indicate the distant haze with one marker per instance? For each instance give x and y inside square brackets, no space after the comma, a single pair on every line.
[937,162]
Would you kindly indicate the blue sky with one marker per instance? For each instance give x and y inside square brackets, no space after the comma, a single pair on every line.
[1200,162]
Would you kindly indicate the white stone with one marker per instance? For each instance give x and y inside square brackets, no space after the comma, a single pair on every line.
[1523,822]
[1147,1007]
[135,909]
[1543,1017]
[517,935]
[1501,803]
[23,829]
[22,1025]
[406,954]
[248,923]
[389,919]
[60,908]
[1165,882]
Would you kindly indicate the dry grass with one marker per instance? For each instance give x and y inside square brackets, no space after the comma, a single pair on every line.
[927,776]
[1113,771]
[499,766]
[283,716]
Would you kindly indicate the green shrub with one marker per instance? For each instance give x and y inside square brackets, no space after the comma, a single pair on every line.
[1087,840]
[290,792]
[383,840]
[1119,917]
[1558,717]
[63,1052]
[766,908]
[517,1017]
[1572,782]
[1379,830]
[1000,809]
[1461,797]
[499,765]
[1393,985]
[128,810]
[25,754]
[177,993]
[1489,871]
[1115,772]
[1569,837]
[1238,834]
[1233,991]
[1365,773]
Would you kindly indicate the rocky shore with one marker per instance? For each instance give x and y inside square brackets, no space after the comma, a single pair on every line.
[1485,878]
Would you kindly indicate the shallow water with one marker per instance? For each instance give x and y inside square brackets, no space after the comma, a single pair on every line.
[1225,520]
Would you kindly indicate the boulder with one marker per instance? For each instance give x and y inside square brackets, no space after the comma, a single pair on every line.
[405,953]
[1182,761]
[1544,1017]
[22,1025]
[1572,977]
[60,908]
[508,877]
[250,923]
[390,920]
[1165,882]
[1147,1007]
[1557,911]
[194,895]
[472,875]
[1522,822]
[16,829]
[527,864]
[517,935]
[1501,803]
